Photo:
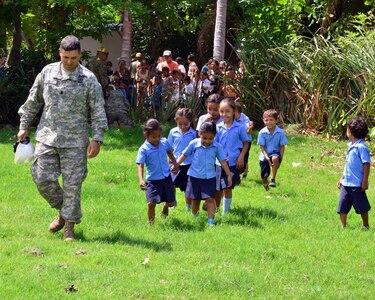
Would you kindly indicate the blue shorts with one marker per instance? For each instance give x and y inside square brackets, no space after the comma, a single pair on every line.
[246,159]
[265,169]
[180,180]
[353,196]
[160,190]
[222,178]
[200,189]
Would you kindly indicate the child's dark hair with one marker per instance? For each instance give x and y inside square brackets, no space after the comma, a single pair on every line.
[185,113]
[191,57]
[358,127]
[271,113]
[209,126]
[175,72]
[179,60]
[214,98]
[165,69]
[187,79]
[150,126]
[229,101]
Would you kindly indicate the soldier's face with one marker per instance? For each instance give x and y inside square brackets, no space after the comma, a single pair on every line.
[70,59]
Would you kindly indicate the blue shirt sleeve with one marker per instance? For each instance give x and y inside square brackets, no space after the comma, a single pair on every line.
[141,157]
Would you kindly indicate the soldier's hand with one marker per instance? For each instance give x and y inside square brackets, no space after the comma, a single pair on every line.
[93,149]
[22,134]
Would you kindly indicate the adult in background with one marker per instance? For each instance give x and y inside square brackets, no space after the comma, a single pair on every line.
[98,66]
[134,66]
[168,62]
[70,93]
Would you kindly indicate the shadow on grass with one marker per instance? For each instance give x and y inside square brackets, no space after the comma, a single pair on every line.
[186,225]
[248,216]
[122,239]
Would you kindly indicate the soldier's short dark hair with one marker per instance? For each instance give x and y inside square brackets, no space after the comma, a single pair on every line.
[358,128]
[70,43]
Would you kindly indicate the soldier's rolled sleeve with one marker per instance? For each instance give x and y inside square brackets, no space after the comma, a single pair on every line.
[33,104]
[99,122]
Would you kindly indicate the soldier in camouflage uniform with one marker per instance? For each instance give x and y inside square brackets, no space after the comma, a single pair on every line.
[99,67]
[70,94]
[117,108]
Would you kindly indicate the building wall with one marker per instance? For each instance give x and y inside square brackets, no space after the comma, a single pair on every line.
[112,41]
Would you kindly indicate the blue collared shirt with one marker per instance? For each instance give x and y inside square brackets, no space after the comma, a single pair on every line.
[358,154]
[155,158]
[244,119]
[271,142]
[180,141]
[232,140]
[203,119]
[203,158]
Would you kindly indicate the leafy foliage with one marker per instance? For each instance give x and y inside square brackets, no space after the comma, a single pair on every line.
[319,82]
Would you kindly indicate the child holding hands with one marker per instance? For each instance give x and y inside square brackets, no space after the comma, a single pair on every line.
[202,175]
[235,141]
[354,181]
[180,137]
[158,185]
[272,141]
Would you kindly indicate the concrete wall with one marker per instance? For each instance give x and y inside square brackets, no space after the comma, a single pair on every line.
[112,41]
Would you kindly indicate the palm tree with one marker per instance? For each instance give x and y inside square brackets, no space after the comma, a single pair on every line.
[220,29]
[126,37]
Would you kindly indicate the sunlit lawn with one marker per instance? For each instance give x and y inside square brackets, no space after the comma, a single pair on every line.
[283,244]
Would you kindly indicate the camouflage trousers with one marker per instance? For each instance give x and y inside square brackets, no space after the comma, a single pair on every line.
[71,164]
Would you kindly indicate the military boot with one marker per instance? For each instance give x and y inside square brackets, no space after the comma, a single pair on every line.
[57,224]
[69,231]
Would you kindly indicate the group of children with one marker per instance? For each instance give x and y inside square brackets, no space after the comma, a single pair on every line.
[205,163]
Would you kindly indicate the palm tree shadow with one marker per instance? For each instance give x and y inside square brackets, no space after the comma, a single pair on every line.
[248,216]
[123,239]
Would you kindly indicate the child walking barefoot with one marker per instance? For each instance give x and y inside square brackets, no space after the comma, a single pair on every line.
[272,141]
[158,185]
[235,141]
[201,181]
[354,181]
[180,137]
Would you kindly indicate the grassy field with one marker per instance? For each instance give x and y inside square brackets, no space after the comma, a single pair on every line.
[285,244]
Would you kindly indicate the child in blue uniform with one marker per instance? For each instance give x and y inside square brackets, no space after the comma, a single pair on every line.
[153,153]
[245,120]
[202,175]
[354,180]
[180,137]
[235,141]
[212,106]
[272,141]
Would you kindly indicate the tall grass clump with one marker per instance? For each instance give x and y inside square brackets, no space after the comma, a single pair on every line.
[320,82]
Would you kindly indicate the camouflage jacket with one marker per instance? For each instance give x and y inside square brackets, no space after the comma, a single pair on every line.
[99,68]
[69,101]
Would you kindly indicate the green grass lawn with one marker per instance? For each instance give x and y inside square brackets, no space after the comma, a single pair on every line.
[285,244]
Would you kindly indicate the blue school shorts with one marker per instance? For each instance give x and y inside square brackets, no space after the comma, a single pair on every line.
[158,191]
[246,159]
[180,180]
[265,169]
[200,189]
[353,196]
[222,178]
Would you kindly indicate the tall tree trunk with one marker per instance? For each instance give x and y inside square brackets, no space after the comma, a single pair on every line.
[126,46]
[220,29]
[14,56]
